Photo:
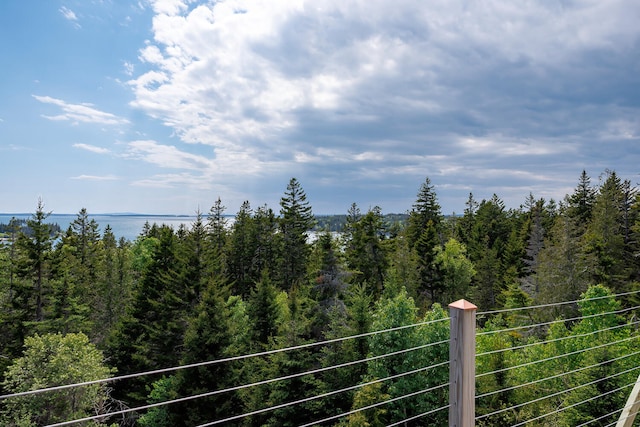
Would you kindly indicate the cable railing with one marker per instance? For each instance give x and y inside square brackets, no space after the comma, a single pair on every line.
[555,304]
[573,405]
[272,380]
[553,322]
[622,418]
[218,361]
[374,405]
[614,344]
[372,358]
[551,377]
[558,393]
[621,336]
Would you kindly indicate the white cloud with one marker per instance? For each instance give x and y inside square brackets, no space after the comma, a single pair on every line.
[92,148]
[169,7]
[166,156]
[183,180]
[95,178]
[69,15]
[500,146]
[14,147]
[400,88]
[80,113]
[129,68]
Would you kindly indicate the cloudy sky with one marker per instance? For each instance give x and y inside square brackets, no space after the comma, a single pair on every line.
[163,106]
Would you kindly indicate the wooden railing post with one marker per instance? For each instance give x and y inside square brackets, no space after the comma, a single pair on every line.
[462,364]
[630,410]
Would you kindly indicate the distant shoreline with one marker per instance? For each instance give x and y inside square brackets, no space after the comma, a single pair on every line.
[104,214]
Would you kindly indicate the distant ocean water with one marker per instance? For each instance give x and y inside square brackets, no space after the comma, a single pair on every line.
[127,226]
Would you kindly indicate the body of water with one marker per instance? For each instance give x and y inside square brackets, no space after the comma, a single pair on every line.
[127,226]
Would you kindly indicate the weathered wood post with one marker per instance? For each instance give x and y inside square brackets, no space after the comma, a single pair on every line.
[630,410]
[462,364]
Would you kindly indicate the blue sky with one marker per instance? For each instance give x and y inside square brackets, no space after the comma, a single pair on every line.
[164,106]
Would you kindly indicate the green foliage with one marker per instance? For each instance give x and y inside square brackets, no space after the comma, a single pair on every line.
[263,313]
[33,265]
[424,235]
[563,370]
[369,395]
[209,336]
[456,269]
[401,311]
[51,360]
[296,219]
[217,289]
[366,256]
[162,390]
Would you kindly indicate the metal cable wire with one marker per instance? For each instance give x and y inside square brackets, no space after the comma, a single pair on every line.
[309,345]
[564,408]
[308,399]
[264,382]
[516,328]
[558,393]
[601,417]
[554,304]
[633,414]
[501,350]
[217,361]
[415,417]
[554,357]
[370,406]
[515,387]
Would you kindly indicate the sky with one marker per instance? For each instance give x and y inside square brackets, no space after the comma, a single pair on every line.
[162,106]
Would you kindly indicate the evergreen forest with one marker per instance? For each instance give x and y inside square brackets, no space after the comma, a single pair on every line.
[79,305]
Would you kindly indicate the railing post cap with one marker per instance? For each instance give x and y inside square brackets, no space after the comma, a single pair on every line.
[463,304]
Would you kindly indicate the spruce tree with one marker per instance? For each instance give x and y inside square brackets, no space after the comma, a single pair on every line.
[241,251]
[366,256]
[207,338]
[296,219]
[151,335]
[425,213]
[605,236]
[489,237]
[424,234]
[34,266]
[582,200]
[216,238]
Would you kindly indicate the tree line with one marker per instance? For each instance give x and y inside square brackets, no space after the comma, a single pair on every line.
[81,305]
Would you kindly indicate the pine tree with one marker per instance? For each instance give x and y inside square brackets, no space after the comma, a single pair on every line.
[490,235]
[296,219]
[216,238]
[582,200]
[366,256]
[537,223]
[424,235]
[33,265]
[561,270]
[329,283]
[86,236]
[605,236]
[266,240]
[114,286]
[263,313]
[151,335]
[241,252]
[208,337]
[425,213]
